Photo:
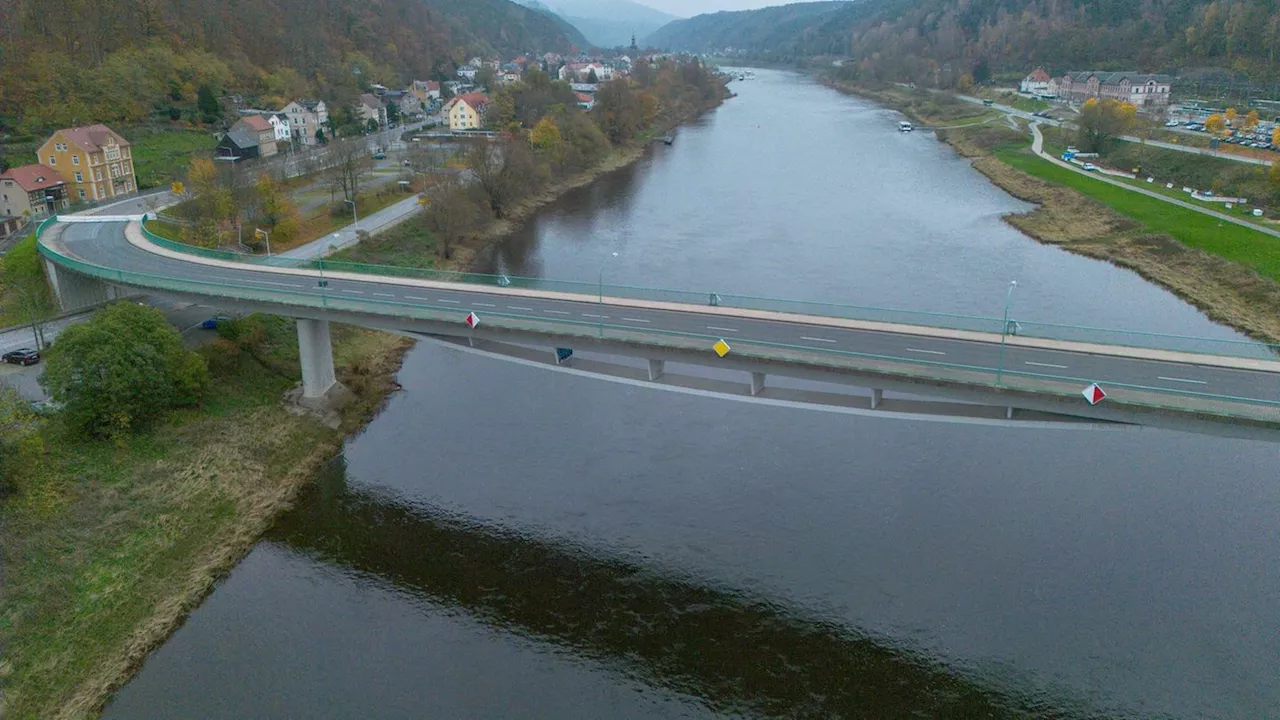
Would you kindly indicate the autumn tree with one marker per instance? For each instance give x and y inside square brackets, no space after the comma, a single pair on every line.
[1274,173]
[1250,121]
[1215,124]
[451,211]
[618,111]
[211,205]
[504,171]
[276,210]
[1102,120]
[1230,116]
[547,140]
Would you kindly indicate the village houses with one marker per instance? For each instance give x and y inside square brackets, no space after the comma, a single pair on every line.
[94,160]
[30,192]
[466,112]
[1037,83]
[306,118]
[1144,91]
[370,107]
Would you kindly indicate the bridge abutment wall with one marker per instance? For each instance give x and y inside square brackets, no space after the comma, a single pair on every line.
[74,291]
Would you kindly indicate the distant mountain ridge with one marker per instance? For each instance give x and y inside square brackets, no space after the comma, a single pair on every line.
[799,29]
[607,23]
[939,41]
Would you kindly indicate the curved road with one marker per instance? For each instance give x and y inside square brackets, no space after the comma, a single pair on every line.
[105,244]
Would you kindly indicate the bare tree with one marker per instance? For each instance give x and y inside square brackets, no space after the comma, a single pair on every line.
[505,171]
[351,163]
[451,211]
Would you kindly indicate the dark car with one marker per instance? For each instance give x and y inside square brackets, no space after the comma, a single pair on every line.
[213,322]
[22,356]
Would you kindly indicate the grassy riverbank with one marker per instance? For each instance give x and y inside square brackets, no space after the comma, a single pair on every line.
[108,546]
[1229,272]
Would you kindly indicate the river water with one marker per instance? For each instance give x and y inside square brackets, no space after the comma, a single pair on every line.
[508,541]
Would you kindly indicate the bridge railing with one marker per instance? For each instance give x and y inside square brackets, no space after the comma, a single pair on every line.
[566,330]
[869,313]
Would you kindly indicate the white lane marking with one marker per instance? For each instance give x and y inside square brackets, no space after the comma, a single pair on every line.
[450,302]
[557,312]
[597,317]
[414,297]
[634,320]
[258,282]
[722,329]
[1048,365]
[926,352]
[383,295]
[354,292]
[485,305]
[525,309]
[1182,380]
[814,339]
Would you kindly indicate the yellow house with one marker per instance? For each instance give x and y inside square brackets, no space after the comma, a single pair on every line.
[466,112]
[96,162]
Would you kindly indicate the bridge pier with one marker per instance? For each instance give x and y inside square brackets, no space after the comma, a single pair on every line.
[877,397]
[74,291]
[757,383]
[315,350]
[656,368]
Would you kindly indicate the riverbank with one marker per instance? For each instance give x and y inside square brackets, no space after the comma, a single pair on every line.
[1227,292]
[107,547]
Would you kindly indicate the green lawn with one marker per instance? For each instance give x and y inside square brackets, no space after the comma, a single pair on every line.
[159,157]
[405,245]
[1253,249]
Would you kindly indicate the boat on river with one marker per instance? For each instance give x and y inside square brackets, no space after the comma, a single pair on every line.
[668,139]
[905,126]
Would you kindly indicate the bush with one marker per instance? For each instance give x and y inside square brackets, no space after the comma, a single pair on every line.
[121,369]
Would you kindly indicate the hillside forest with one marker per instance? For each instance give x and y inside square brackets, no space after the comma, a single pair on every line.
[130,61]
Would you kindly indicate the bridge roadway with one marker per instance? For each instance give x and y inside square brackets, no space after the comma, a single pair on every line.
[106,244]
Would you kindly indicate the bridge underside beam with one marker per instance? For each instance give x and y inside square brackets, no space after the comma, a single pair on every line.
[77,292]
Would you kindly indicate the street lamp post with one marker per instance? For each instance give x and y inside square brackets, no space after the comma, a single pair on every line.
[601,286]
[355,215]
[265,236]
[1004,329]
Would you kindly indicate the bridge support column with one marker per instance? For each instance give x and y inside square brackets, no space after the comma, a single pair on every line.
[877,397]
[656,368]
[757,383]
[74,291]
[316,352]
[1008,413]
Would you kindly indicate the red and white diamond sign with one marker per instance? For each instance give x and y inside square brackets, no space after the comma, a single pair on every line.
[1094,394]
[473,320]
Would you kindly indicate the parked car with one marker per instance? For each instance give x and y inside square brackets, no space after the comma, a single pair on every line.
[379,156]
[213,322]
[1090,167]
[22,356]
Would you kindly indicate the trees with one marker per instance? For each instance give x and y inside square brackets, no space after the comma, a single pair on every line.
[393,113]
[1250,121]
[20,443]
[592,77]
[505,171]
[121,369]
[1102,120]
[487,77]
[22,277]
[275,210]
[1215,124]
[353,164]
[208,105]
[451,213]
[618,111]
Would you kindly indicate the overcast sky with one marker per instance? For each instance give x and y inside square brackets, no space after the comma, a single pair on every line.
[689,8]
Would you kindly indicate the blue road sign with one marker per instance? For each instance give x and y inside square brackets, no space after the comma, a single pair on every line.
[563,354]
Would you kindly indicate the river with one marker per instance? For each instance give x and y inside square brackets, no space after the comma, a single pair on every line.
[507,541]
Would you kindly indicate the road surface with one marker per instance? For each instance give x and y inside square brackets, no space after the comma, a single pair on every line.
[106,245]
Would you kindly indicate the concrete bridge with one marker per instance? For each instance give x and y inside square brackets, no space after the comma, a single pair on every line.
[972,369]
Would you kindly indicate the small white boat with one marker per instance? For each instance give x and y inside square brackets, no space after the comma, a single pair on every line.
[905,126]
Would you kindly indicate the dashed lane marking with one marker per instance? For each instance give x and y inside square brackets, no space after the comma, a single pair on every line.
[814,339]
[1182,380]
[926,352]
[1047,365]
[721,329]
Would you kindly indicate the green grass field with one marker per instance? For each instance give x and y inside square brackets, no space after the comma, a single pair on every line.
[159,157]
[1250,248]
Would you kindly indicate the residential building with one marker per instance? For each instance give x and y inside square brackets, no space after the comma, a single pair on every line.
[31,192]
[585,101]
[510,77]
[468,72]
[1145,91]
[238,143]
[306,118]
[95,161]
[262,130]
[425,91]
[1037,83]
[280,123]
[369,107]
[466,112]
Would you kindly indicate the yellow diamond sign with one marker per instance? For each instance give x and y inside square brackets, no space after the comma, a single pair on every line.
[721,347]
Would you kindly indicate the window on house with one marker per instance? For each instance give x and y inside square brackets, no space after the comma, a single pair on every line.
[52,161]
[79,177]
[75,159]
[81,192]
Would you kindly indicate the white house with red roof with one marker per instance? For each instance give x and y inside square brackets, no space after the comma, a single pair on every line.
[31,192]
[1037,83]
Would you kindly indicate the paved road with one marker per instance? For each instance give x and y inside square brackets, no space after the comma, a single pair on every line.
[105,244]
[1037,145]
[346,237]
[1128,138]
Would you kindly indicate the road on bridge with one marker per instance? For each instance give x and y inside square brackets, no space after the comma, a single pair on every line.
[106,245]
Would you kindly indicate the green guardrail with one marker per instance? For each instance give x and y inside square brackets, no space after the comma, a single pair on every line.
[953,321]
[1201,403]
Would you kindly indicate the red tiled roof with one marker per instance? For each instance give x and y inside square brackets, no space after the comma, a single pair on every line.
[583,97]
[475,100]
[1039,75]
[33,177]
[92,137]
[257,122]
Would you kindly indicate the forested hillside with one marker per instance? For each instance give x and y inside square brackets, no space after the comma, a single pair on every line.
[796,30]
[928,40]
[126,61]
